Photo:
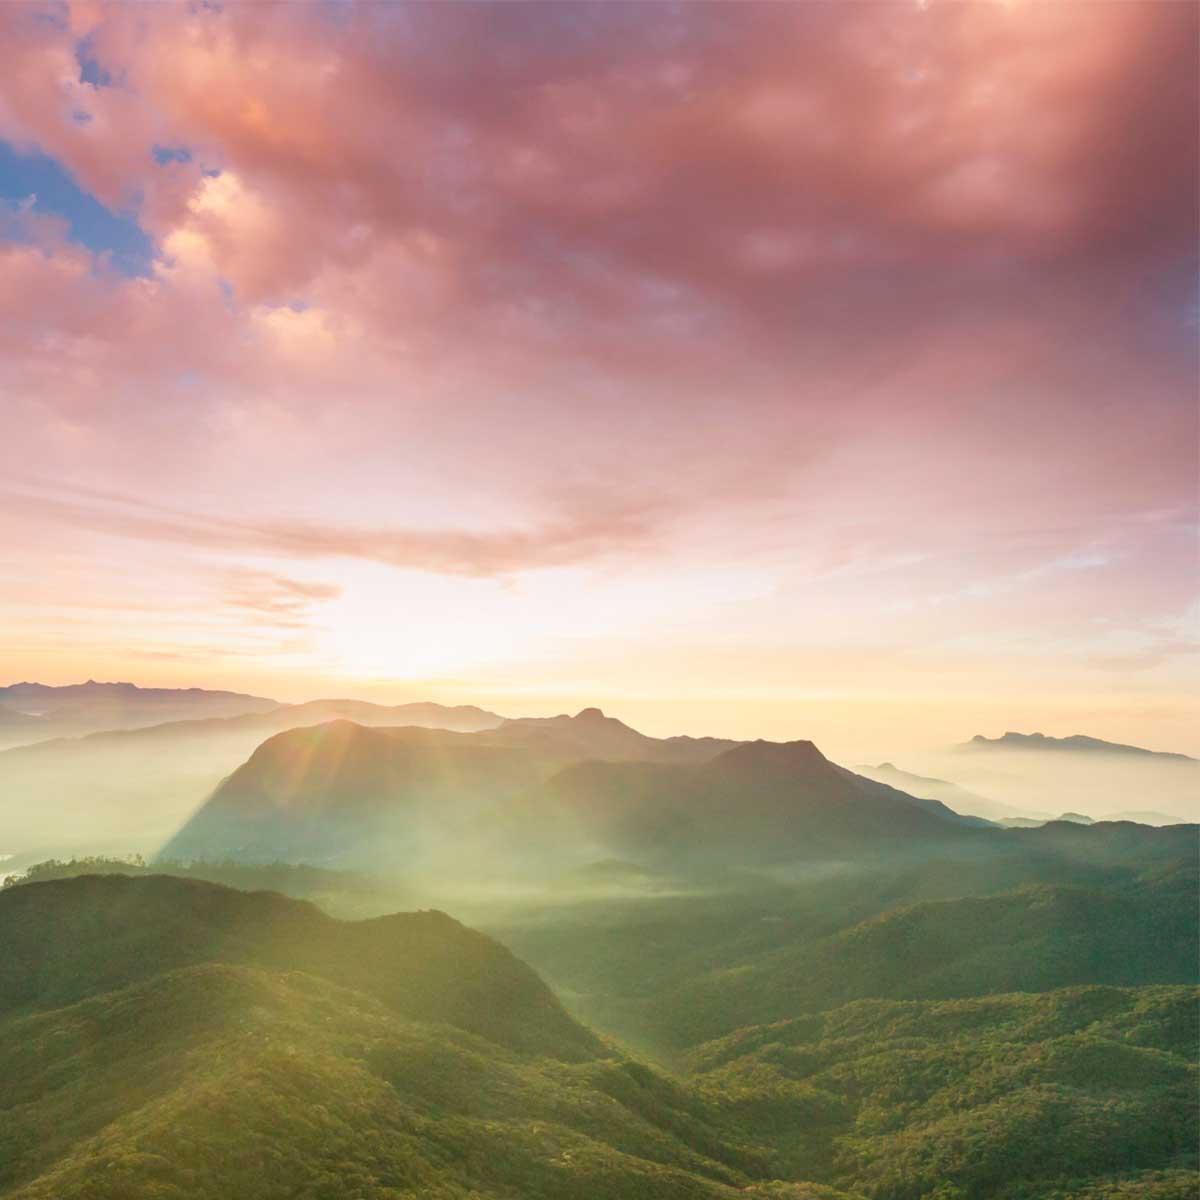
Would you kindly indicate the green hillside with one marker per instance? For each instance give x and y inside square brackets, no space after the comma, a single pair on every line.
[170,1038]
[165,1038]
[1034,940]
[74,938]
[1085,1092]
[218,1081]
[943,930]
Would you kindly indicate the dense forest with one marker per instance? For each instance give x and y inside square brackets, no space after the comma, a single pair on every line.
[172,1037]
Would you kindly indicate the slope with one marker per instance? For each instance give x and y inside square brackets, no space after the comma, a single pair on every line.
[169,1039]
[341,793]
[1084,1092]
[1034,939]
[1050,907]
[439,801]
[759,803]
[69,939]
[128,790]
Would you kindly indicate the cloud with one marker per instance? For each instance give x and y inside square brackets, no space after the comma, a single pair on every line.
[840,292]
[276,600]
[582,530]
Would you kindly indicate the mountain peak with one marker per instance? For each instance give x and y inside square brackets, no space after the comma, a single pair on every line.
[762,754]
[1076,742]
[590,714]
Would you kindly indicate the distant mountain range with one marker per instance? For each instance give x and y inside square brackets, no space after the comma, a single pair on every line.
[1035,774]
[1077,743]
[129,789]
[36,711]
[961,799]
[134,788]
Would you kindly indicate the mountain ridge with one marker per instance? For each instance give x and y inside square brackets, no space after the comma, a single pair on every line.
[551,789]
[1078,742]
[69,939]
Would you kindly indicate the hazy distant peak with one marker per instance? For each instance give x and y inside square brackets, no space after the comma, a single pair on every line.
[115,687]
[1075,742]
[775,755]
[596,718]
[891,768]
[587,721]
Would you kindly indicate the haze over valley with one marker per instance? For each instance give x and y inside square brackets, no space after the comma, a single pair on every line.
[744,961]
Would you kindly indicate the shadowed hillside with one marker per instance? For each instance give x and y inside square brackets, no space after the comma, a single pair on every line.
[1032,940]
[1099,904]
[343,794]
[68,939]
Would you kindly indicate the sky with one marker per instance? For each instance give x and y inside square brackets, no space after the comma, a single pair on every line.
[812,370]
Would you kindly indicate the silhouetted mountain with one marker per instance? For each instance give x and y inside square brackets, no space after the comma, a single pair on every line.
[1035,774]
[464,718]
[125,790]
[1143,817]
[82,708]
[757,803]
[590,734]
[341,794]
[1076,743]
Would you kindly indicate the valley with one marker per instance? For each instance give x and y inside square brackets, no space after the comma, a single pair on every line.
[751,972]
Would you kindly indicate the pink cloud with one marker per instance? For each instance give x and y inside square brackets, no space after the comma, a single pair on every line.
[852,283]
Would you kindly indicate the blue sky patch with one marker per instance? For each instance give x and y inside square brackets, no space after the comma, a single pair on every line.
[169,154]
[89,223]
[90,70]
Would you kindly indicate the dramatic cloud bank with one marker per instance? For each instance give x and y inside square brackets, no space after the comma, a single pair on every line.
[836,359]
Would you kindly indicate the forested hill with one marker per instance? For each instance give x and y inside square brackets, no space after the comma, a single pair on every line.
[69,939]
[164,1039]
